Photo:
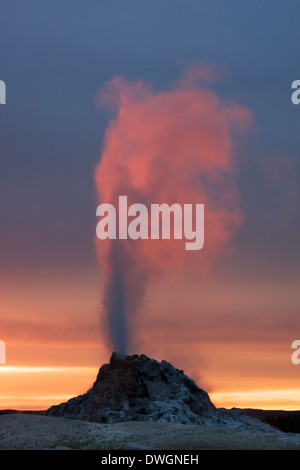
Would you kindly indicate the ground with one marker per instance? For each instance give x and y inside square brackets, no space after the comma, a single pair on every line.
[21,431]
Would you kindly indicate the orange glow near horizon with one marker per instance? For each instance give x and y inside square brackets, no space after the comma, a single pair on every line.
[241,360]
[287,400]
[38,388]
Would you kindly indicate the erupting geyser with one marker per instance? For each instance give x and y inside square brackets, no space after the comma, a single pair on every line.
[170,147]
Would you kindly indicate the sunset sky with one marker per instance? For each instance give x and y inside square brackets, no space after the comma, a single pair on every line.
[162,82]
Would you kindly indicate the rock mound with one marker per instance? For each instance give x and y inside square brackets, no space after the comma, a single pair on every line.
[137,388]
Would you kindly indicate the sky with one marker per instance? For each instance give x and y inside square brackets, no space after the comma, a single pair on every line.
[232,329]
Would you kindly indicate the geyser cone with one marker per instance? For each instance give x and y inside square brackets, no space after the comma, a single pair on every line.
[137,388]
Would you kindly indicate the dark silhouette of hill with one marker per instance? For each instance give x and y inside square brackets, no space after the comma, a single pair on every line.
[286,421]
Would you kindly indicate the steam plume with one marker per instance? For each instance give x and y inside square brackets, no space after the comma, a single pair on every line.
[170,146]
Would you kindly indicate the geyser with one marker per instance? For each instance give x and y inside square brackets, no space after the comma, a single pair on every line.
[170,146]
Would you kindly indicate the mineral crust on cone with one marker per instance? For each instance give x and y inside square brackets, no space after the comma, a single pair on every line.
[137,388]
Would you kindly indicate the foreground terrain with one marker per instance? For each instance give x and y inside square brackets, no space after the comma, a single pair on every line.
[138,403]
[26,431]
